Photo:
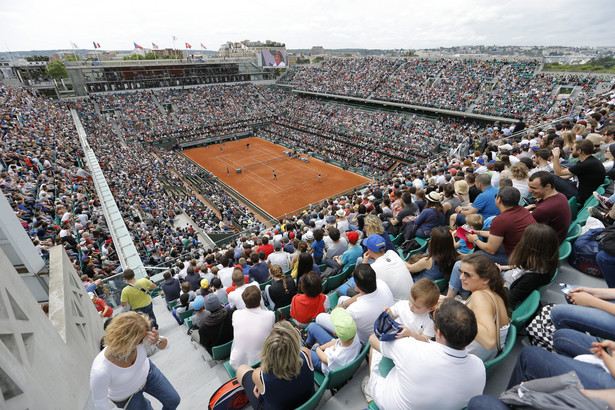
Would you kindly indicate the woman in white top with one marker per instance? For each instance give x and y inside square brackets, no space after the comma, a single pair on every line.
[122,372]
[488,301]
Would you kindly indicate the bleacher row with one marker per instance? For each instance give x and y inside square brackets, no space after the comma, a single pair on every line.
[487,87]
[338,378]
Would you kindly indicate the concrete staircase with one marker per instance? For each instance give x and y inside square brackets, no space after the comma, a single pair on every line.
[187,365]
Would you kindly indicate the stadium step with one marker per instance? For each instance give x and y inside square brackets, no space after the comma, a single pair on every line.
[186,364]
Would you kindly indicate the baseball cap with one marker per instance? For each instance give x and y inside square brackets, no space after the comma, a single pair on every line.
[204,284]
[386,328]
[198,303]
[375,243]
[91,295]
[345,327]
[352,236]
[481,161]
[277,245]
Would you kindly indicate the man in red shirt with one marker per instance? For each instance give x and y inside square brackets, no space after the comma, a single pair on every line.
[100,305]
[506,229]
[266,246]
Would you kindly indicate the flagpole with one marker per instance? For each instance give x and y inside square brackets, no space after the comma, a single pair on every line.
[72,46]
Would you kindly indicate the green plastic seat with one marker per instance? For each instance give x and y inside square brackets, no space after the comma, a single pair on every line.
[490,365]
[399,239]
[184,315]
[188,322]
[231,372]
[574,207]
[264,284]
[422,242]
[573,232]
[173,304]
[283,309]
[525,310]
[333,298]
[442,284]
[221,352]
[372,406]
[564,251]
[544,288]
[312,403]
[385,366]
[333,282]
[322,267]
[349,270]
[338,377]
[582,216]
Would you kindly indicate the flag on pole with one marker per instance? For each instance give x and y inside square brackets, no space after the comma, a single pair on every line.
[96,45]
[154,46]
[73,45]
[137,47]
[203,46]
[188,45]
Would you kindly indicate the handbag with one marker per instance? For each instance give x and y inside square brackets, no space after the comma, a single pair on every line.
[540,330]
[229,396]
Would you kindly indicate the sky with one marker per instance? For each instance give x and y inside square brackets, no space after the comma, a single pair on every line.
[409,24]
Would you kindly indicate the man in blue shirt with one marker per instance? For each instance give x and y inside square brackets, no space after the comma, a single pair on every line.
[484,204]
[259,270]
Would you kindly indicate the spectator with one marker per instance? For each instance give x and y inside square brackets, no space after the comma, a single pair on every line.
[589,172]
[330,353]
[389,267]
[101,306]
[415,313]
[250,328]
[285,379]
[282,290]
[217,328]
[306,305]
[552,207]
[372,296]
[137,296]
[420,366]
[170,287]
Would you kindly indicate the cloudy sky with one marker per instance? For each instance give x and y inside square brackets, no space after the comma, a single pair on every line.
[115,24]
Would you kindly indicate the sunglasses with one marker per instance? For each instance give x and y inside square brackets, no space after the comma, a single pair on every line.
[466,274]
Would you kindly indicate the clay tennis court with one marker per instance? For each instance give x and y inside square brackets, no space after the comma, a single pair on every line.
[297,185]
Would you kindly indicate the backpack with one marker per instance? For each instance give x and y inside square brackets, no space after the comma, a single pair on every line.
[228,397]
[606,240]
[584,251]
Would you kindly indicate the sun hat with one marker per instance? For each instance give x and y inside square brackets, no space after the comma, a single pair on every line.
[344,324]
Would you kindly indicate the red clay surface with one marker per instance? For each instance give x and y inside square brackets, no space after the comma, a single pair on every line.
[297,184]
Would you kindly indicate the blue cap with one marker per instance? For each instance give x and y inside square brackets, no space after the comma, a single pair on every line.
[375,243]
[199,303]
[386,328]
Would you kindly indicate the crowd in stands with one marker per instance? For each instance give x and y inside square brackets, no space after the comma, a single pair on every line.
[510,89]
[513,244]
[47,184]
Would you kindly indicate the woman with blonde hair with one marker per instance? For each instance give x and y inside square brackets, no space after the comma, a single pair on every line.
[285,379]
[569,140]
[122,372]
[373,225]
[520,178]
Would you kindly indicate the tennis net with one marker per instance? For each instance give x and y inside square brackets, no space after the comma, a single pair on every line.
[259,164]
